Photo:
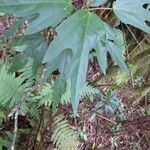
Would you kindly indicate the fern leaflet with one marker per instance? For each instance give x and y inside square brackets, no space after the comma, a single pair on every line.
[64,137]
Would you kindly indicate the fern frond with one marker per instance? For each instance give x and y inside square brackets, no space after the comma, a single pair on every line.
[34,110]
[2,116]
[12,88]
[45,96]
[64,137]
[87,91]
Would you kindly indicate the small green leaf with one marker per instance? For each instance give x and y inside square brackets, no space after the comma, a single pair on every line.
[133,12]
[10,32]
[95,3]
[18,23]
[50,12]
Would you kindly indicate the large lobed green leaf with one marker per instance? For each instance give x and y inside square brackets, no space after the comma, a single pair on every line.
[50,12]
[82,32]
[133,12]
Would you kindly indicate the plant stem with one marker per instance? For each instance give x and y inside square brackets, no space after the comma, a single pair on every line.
[15,130]
[15,113]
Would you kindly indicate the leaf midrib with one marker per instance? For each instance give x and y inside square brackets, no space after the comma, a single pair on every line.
[82,48]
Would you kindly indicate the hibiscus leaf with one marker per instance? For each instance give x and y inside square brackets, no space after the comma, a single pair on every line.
[133,12]
[49,12]
[89,33]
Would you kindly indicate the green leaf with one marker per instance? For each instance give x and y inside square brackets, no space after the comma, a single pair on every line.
[62,62]
[90,32]
[59,89]
[18,23]
[133,12]
[31,47]
[50,12]
[114,45]
[95,3]
[10,32]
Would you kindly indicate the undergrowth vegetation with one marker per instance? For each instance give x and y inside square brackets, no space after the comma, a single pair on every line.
[74,75]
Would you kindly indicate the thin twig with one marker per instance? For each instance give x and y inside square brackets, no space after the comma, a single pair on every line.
[134,38]
[140,44]
[106,118]
[132,78]
[114,85]
[99,8]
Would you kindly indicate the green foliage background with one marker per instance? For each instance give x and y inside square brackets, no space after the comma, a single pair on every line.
[77,33]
